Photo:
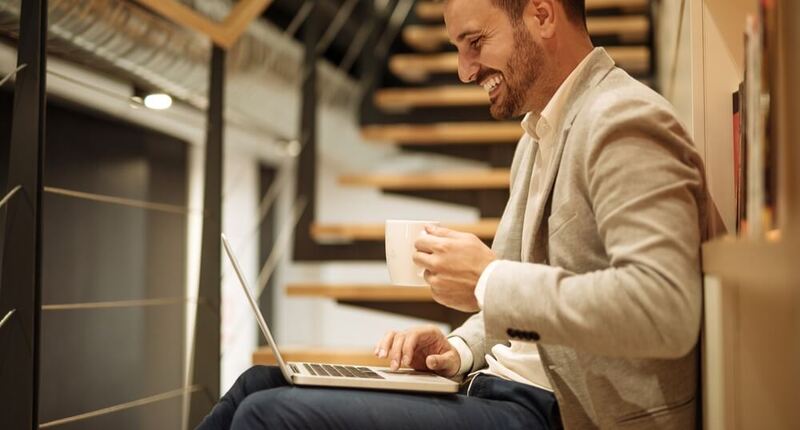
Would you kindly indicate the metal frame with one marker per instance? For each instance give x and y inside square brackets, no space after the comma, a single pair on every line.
[21,269]
[206,369]
[223,34]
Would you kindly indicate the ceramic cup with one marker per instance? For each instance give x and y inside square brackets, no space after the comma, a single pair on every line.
[400,238]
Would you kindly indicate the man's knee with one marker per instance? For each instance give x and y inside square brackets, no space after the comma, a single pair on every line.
[265,409]
[259,377]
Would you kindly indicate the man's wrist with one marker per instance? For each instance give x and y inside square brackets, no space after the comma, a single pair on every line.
[483,282]
[464,353]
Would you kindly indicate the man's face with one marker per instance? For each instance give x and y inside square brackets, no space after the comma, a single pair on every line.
[497,54]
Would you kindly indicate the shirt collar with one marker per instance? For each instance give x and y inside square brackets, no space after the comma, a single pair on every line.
[539,126]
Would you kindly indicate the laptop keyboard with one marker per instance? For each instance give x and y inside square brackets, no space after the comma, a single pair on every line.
[341,371]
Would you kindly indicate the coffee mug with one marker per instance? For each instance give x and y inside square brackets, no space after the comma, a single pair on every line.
[400,238]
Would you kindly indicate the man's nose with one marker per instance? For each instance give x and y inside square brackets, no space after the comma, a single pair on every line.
[467,68]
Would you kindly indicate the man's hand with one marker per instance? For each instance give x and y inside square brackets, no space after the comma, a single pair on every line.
[453,263]
[421,348]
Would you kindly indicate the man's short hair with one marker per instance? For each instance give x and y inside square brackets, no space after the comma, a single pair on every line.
[575,9]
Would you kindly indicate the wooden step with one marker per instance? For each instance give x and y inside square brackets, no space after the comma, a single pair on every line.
[445,133]
[460,180]
[338,233]
[319,354]
[360,292]
[402,99]
[417,67]
[629,28]
[433,10]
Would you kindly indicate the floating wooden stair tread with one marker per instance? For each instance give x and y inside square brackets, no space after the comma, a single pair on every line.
[433,11]
[417,67]
[318,354]
[445,133]
[626,27]
[359,292]
[461,180]
[444,96]
[484,229]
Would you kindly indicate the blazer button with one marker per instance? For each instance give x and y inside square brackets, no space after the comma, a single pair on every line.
[512,333]
[532,335]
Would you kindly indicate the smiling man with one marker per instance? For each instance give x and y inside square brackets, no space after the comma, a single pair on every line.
[587,306]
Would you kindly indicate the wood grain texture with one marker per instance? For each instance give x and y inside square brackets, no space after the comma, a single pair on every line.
[461,180]
[443,96]
[446,132]
[318,354]
[360,292]
[484,229]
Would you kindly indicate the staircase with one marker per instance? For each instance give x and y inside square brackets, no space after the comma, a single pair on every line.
[421,106]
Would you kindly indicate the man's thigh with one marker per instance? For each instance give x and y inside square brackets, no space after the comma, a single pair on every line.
[329,408]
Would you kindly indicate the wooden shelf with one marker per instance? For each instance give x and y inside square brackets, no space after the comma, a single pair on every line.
[629,28]
[318,354]
[417,67]
[432,11]
[400,99]
[758,263]
[484,229]
[462,180]
[360,292]
[445,133]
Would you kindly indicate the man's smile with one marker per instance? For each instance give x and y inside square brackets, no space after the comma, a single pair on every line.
[492,85]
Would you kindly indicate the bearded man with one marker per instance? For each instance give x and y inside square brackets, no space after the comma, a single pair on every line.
[588,303]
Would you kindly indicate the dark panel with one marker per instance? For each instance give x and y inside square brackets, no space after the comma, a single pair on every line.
[106,357]
[206,370]
[21,264]
[266,243]
[129,418]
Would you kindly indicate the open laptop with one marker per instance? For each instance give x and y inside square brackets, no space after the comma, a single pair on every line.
[334,375]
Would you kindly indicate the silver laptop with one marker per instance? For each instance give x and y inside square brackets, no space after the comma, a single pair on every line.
[335,375]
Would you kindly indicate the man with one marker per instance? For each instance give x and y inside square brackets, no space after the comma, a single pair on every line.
[589,300]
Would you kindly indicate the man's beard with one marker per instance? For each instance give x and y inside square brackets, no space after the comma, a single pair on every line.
[522,73]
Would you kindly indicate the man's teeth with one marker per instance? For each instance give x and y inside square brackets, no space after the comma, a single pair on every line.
[490,84]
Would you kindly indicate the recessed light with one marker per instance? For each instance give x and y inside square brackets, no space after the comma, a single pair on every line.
[158,101]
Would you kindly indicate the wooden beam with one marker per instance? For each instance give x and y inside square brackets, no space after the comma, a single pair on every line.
[484,229]
[223,34]
[361,292]
[241,16]
[319,354]
[445,133]
[461,180]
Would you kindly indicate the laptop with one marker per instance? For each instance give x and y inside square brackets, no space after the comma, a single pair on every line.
[336,375]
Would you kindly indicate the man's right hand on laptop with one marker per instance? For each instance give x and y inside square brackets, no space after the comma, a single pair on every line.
[420,348]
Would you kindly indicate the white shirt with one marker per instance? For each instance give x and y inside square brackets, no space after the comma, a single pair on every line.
[520,361]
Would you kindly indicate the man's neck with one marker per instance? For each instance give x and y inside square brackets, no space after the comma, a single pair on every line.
[567,57]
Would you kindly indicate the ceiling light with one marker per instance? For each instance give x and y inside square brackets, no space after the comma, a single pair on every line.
[158,101]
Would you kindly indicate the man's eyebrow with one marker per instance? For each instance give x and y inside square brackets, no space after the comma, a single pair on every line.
[466,33]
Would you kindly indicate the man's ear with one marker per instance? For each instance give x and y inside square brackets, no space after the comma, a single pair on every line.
[542,14]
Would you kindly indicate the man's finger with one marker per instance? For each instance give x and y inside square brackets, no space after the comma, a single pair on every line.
[428,243]
[409,346]
[445,364]
[385,345]
[439,231]
[396,351]
[426,261]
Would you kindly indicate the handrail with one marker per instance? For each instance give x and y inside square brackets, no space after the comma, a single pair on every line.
[139,204]
[122,303]
[123,406]
[9,195]
[6,318]
[12,73]
[336,25]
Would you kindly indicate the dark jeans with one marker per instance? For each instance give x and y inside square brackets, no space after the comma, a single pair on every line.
[262,399]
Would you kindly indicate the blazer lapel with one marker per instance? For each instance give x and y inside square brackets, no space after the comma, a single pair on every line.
[534,241]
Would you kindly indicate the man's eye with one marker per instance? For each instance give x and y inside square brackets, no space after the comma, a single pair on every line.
[475,43]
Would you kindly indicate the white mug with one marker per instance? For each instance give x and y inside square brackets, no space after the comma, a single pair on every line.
[400,238]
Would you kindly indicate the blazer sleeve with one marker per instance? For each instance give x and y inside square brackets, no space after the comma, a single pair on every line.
[645,182]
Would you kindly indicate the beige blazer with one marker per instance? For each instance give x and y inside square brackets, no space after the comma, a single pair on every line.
[607,278]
